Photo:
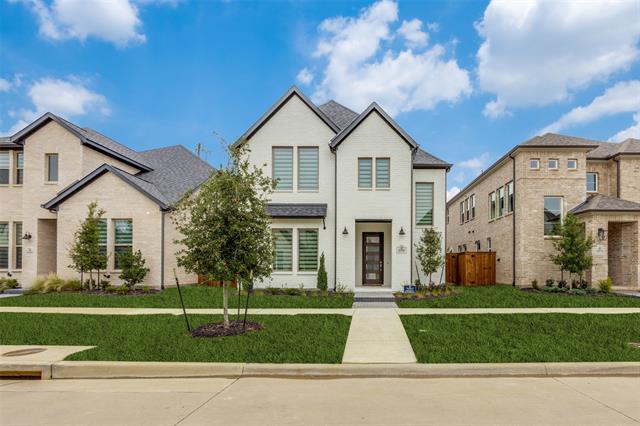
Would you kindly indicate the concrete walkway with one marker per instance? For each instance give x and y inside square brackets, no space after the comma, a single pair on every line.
[377,336]
[328,311]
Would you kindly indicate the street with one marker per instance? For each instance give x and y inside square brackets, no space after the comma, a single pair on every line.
[523,401]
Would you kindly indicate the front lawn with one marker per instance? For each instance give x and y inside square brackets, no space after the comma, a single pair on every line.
[284,339]
[194,296]
[523,337]
[506,296]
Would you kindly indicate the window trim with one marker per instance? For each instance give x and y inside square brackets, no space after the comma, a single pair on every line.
[317,188]
[308,271]
[561,214]
[384,188]
[537,160]
[280,271]
[115,244]
[569,160]
[597,181]
[47,156]
[557,160]
[370,187]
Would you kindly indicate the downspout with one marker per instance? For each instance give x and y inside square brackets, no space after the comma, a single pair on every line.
[162,214]
[335,219]
[446,224]
[411,222]
[617,160]
[513,227]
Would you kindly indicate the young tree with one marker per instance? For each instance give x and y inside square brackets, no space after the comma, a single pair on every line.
[85,249]
[322,275]
[428,251]
[133,267]
[225,225]
[573,247]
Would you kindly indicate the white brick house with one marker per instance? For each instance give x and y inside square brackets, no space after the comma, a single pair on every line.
[355,187]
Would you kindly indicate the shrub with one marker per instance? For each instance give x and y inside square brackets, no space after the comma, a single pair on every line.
[584,284]
[322,275]
[133,267]
[605,285]
[70,285]
[534,284]
[123,289]
[38,285]
[89,283]
[53,283]
[549,282]
[146,289]
[578,291]
[272,290]
[562,284]
[8,283]
[111,289]
[341,288]
[292,292]
[104,284]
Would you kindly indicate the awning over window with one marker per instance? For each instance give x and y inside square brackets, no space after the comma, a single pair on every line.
[297,210]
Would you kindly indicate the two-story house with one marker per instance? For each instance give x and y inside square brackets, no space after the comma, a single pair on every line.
[511,208]
[355,187]
[52,169]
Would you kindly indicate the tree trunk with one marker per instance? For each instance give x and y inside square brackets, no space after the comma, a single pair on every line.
[81,279]
[225,304]
[239,300]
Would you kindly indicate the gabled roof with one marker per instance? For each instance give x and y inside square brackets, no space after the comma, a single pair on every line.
[6,142]
[607,150]
[554,140]
[293,91]
[88,137]
[423,160]
[374,107]
[603,203]
[141,185]
[296,210]
[338,113]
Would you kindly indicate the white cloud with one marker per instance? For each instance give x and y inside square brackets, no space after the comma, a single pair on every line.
[630,132]
[452,192]
[67,98]
[361,65]
[305,76]
[412,32]
[620,98]
[115,21]
[5,85]
[537,52]
[468,169]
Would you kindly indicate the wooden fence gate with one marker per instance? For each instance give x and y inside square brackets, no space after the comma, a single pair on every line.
[471,268]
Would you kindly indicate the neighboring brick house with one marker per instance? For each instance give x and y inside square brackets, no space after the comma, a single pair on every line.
[512,206]
[355,187]
[52,169]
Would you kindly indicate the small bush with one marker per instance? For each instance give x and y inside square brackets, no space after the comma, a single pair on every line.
[534,284]
[104,284]
[578,291]
[322,275]
[591,290]
[123,289]
[562,284]
[549,282]
[605,285]
[272,290]
[111,289]
[584,284]
[292,291]
[89,283]
[146,289]
[38,285]
[133,268]
[341,288]
[53,283]
[70,285]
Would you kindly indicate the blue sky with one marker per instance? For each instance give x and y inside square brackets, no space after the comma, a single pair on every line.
[468,80]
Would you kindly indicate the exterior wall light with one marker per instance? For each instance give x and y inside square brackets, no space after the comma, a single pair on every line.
[26,236]
[602,234]
[402,231]
[345,232]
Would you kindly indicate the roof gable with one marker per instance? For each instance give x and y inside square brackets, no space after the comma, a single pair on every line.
[374,107]
[293,91]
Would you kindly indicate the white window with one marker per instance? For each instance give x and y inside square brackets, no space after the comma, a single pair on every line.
[102,240]
[461,212]
[592,182]
[383,177]
[283,249]
[553,164]
[123,239]
[473,206]
[534,164]
[424,204]
[308,168]
[510,198]
[365,170]
[4,168]
[19,177]
[307,250]
[552,214]
[283,168]
[51,166]
[4,245]
[572,164]
[17,232]
[500,201]
[466,209]
[492,205]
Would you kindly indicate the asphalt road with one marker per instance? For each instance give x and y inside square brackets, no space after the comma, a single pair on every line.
[261,401]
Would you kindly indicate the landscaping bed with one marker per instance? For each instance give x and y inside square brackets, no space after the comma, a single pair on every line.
[506,296]
[523,337]
[284,339]
[195,296]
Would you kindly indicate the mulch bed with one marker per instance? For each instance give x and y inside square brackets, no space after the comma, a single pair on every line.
[217,329]
[133,292]
[568,293]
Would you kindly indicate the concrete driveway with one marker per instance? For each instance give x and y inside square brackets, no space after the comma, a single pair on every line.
[253,401]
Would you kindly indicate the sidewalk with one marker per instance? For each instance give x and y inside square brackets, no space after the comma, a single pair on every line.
[328,311]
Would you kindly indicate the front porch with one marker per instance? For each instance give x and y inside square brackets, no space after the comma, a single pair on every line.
[373,241]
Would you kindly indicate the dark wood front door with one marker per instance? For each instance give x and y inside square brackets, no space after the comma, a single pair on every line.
[372,258]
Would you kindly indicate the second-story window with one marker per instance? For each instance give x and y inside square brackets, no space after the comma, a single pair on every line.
[4,168]
[492,206]
[510,198]
[308,168]
[553,164]
[365,180]
[472,201]
[19,179]
[383,178]
[51,166]
[534,164]
[572,164]
[283,168]
[461,212]
[466,208]
[501,201]
[552,214]
[592,182]
[424,204]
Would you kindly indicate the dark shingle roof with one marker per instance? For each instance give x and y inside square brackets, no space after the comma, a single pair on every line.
[423,160]
[338,113]
[6,142]
[176,170]
[296,210]
[555,140]
[607,150]
[603,203]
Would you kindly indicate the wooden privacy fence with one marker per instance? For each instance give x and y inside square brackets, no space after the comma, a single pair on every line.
[471,268]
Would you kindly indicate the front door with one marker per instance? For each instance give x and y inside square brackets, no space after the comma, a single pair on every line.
[372,258]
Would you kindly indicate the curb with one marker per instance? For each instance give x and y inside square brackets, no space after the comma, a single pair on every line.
[121,370]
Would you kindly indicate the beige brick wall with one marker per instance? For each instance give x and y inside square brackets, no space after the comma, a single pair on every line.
[500,229]
[607,176]
[11,212]
[630,178]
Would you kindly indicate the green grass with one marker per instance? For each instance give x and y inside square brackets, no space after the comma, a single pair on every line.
[285,339]
[523,337]
[506,296]
[195,297]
